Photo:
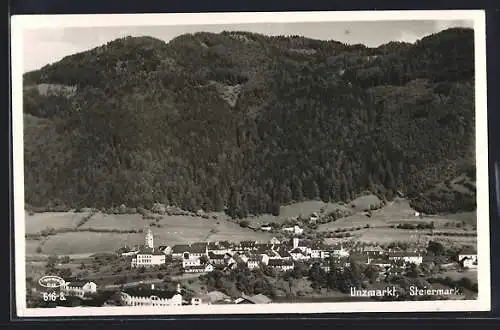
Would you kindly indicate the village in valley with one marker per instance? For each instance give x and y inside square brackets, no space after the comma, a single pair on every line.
[289,267]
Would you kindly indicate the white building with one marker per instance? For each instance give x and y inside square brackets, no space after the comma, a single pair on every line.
[295,230]
[264,258]
[191,262]
[199,269]
[148,258]
[281,264]
[79,289]
[468,258]
[151,297]
[253,263]
[407,257]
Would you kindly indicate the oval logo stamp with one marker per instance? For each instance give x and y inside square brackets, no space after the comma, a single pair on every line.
[51,281]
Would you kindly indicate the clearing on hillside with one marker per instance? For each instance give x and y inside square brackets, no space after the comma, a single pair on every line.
[58,220]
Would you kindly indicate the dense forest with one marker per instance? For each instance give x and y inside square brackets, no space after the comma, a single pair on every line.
[245,123]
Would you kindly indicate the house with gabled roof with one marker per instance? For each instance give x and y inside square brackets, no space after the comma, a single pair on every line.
[189,251]
[79,288]
[167,250]
[255,299]
[199,268]
[141,296]
[373,251]
[468,258]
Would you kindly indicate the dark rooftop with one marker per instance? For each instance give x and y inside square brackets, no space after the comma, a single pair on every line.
[77,284]
[180,248]
[145,292]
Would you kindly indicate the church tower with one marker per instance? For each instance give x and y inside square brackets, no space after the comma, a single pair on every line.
[149,239]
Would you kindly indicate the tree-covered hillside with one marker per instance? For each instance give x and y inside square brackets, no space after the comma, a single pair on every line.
[245,122]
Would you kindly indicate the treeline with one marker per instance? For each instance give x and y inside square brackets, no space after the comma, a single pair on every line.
[146,125]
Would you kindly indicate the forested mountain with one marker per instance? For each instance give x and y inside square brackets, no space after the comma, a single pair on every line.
[248,122]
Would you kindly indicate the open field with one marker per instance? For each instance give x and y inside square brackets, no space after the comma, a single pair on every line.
[397,212]
[57,220]
[388,235]
[115,221]
[306,208]
[172,230]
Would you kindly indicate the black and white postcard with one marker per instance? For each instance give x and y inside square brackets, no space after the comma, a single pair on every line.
[249,163]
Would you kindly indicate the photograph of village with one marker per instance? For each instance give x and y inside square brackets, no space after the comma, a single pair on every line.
[249,164]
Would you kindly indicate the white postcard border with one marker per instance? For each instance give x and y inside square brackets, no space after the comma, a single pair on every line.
[20,23]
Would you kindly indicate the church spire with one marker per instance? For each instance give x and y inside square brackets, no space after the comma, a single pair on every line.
[149,239]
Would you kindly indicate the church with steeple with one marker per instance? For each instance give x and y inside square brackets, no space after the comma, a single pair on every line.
[149,240]
[147,256]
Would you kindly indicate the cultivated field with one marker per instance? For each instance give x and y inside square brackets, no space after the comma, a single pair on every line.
[306,208]
[172,230]
[58,220]
[397,212]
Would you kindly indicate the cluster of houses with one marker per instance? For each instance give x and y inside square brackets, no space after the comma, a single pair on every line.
[204,257]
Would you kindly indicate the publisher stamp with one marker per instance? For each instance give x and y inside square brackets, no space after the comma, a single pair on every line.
[232,163]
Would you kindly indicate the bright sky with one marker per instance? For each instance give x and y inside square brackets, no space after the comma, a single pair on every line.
[45,46]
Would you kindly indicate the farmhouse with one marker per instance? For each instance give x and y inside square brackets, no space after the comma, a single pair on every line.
[468,258]
[150,297]
[79,288]
[148,258]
